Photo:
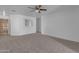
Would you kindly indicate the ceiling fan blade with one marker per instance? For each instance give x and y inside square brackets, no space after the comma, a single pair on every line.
[43,9]
[31,8]
[30,11]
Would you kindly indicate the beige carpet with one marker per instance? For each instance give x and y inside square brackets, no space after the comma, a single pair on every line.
[36,43]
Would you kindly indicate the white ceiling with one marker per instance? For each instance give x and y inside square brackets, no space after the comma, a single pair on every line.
[24,10]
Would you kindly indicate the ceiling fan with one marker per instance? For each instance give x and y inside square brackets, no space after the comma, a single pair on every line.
[38,8]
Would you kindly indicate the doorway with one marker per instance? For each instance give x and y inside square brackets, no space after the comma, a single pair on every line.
[3,26]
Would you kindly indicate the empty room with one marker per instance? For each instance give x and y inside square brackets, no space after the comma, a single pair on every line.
[39,28]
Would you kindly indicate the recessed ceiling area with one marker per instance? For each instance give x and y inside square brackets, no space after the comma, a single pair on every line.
[24,10]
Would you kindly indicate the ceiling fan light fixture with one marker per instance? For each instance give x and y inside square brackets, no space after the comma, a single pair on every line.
[37,11]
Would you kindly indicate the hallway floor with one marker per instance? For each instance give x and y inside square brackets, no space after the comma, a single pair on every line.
[36,43]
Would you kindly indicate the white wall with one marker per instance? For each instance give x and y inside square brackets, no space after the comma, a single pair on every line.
[18,27]
[38,24]
[62,23]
